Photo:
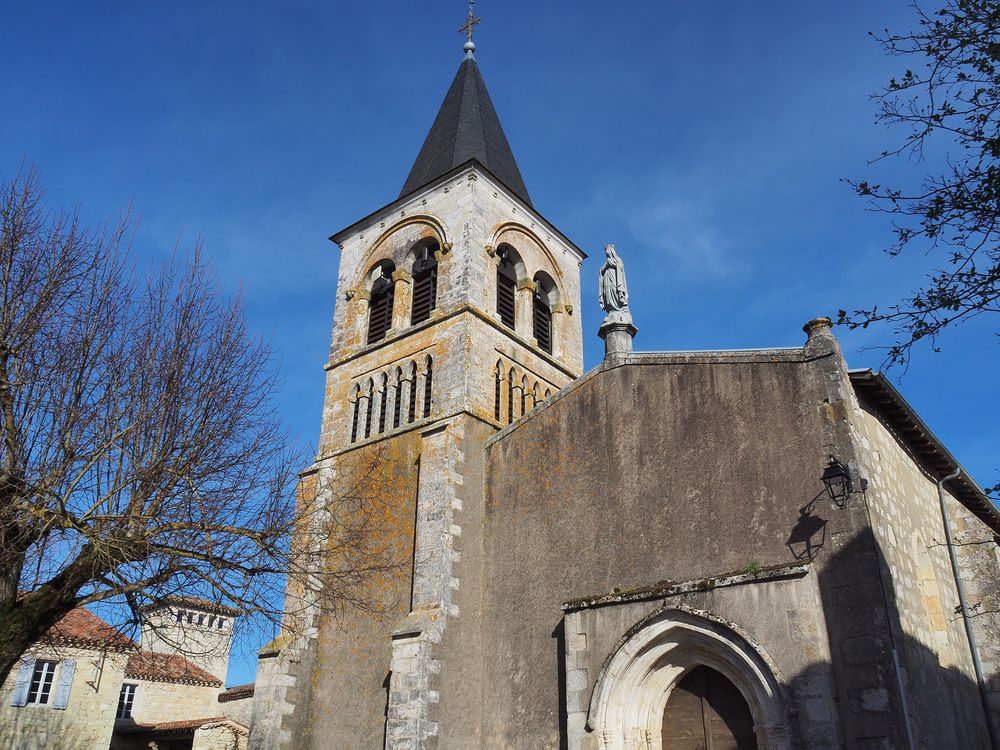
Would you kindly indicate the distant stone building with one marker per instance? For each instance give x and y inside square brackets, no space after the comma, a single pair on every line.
[676,550]
[86,685]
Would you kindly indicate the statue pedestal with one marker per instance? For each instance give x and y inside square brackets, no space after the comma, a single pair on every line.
[617,335]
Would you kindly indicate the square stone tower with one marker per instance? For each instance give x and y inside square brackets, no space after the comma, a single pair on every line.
[457,313]
[199,629]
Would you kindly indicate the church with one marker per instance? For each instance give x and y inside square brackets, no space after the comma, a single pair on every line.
[749,549]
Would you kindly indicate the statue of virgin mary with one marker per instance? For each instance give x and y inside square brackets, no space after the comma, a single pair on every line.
[613,293]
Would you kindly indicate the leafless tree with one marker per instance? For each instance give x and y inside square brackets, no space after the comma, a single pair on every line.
[952,95]
[140,452]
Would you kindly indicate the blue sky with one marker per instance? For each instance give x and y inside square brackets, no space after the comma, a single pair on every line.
[706,140]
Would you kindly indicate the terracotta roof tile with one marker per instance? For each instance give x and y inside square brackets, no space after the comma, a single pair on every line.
[81,627]
[186,725]
[159,667]
[206,605]
[237,692]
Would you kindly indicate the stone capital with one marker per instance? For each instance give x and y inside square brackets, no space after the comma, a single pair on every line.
[402,275]
[526,285]
[363,294]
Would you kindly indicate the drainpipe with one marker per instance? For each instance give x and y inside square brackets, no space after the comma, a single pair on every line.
[963,603]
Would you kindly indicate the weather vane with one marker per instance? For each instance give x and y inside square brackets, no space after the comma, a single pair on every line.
[470,24]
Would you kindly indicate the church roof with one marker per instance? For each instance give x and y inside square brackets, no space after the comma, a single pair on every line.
[466,127]
[878,392]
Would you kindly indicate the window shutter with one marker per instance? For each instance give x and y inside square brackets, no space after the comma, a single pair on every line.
[505,299]
[380,313]
[67,668]
[543,324]
[424,295]
[23,680]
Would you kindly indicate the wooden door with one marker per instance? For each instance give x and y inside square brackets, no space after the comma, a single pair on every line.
[707,712]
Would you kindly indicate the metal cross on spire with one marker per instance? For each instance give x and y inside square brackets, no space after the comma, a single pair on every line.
[467,29]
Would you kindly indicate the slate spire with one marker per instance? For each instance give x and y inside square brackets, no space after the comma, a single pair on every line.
[466,127]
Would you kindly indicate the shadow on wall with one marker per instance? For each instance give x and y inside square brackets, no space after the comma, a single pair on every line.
[879,672]
[882,672]
[62,735]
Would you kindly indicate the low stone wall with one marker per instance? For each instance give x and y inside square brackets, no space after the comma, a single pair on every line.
[219,736]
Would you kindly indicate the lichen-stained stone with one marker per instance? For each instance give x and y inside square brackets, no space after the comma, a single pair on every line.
[420,403]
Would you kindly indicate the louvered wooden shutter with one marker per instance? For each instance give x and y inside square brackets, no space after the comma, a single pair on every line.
[67,668]
[424,295]
[380,314]
[505,299]
[543,324]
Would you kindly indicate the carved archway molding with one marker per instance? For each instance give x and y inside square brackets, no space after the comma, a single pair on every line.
[513,226]
[626,708]
[435,229]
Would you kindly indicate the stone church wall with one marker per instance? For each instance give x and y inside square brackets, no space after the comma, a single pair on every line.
[669,469]
[944,703]
[350,691]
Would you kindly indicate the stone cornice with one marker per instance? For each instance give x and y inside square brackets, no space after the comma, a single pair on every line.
[444,315]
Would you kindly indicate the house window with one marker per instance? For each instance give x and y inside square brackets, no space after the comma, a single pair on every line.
[125,701]
[506,286]
[41,682]
[180,615]
[380,304]
[424,284]
[221,623]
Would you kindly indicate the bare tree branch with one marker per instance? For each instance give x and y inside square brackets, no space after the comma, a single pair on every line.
[140,453]
[954,214]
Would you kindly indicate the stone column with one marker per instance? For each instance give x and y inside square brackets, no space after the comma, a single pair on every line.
[524,309]
[558,326]
[402,301]
[358,334]
[443,256]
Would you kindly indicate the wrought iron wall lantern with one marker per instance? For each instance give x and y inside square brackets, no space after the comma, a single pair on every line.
[837,479]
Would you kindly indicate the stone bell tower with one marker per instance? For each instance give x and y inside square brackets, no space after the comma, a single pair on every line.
[457,312]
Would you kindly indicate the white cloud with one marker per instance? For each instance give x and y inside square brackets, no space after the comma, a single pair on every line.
[684,234]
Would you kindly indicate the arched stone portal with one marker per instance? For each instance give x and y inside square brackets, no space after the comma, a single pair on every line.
[655,656]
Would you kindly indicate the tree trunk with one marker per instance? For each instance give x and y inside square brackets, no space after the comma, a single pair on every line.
[25,623]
